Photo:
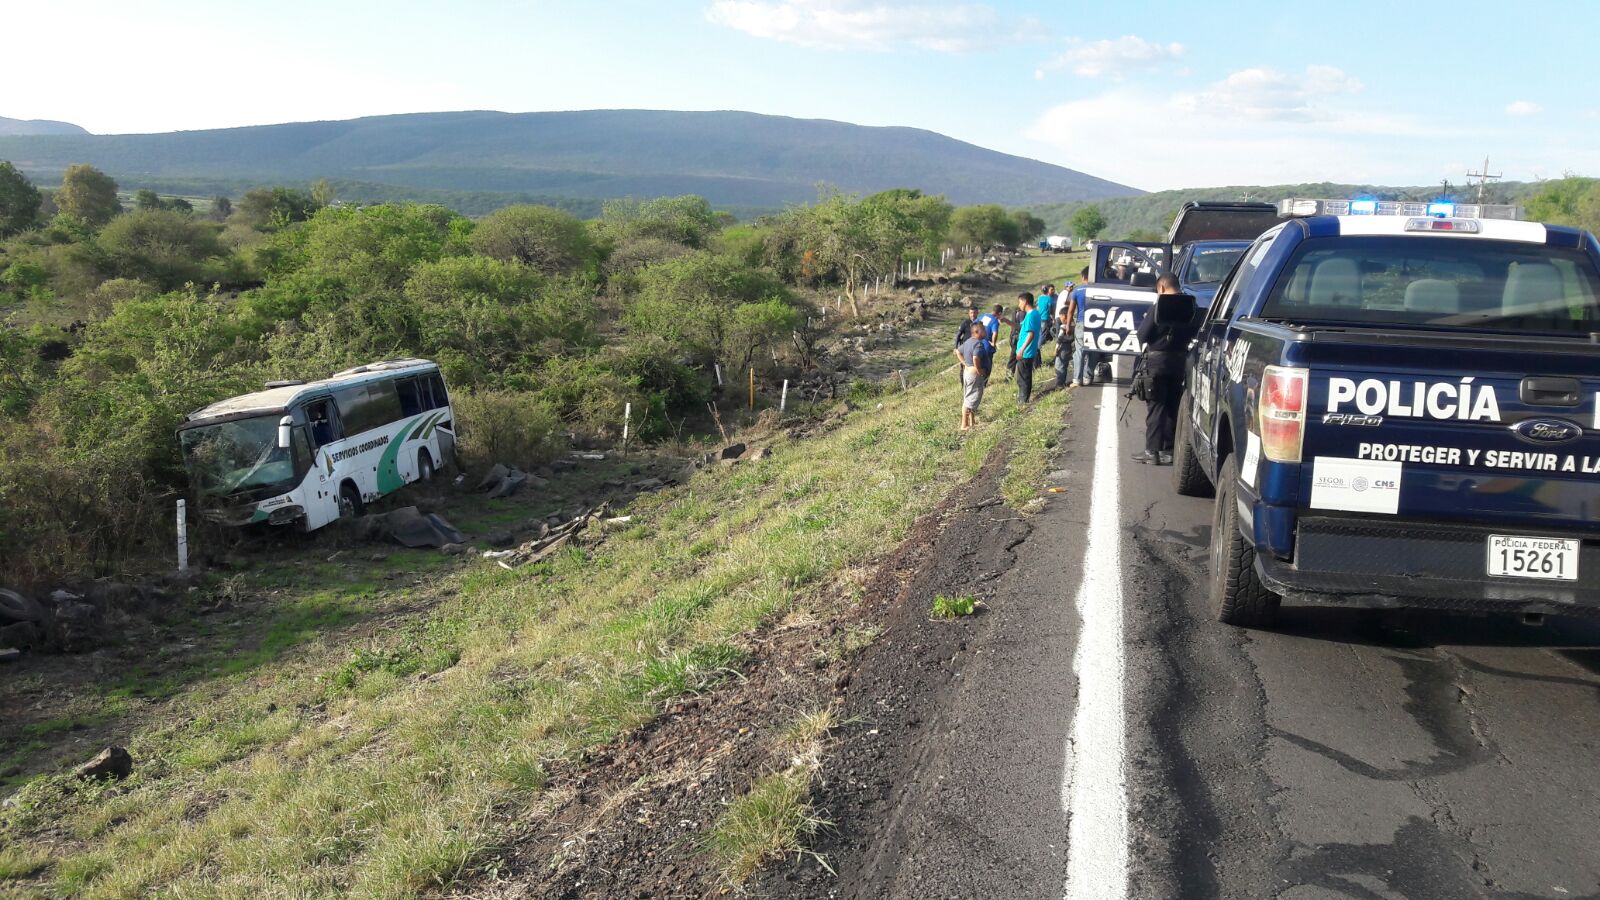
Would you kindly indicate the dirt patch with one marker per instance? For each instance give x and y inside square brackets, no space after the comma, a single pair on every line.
[631,821]
[898,684]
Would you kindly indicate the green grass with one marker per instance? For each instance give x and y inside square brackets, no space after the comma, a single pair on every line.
[775,817]
[388,765]
[953,607]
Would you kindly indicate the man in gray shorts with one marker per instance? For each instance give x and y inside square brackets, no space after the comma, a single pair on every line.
[976,356]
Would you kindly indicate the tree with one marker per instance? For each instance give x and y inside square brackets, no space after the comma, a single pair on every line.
[1567,201]
[984,226]
[273,209]
[687,220]
[147,199]
[548,239]
[221,207]
[89,194]
[1087,223]
[165,247]
[1029,226]
[19,201]
[323,192]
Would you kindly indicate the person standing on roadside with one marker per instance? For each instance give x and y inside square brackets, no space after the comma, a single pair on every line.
[1013,322]
[1047,310]
[991,322]
[1084,360]
[1165,347]
[1028,344]
[967,328]
[976,356]
[1064,334]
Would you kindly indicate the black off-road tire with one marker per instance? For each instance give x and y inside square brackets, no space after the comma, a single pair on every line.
[1188,478]
[1237,595]
[350,505]
[425,468]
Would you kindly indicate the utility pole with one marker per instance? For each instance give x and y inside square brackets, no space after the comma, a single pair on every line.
[1483,177]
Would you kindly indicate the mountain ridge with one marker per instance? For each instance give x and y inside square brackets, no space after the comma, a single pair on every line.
[9,126]
[733,158]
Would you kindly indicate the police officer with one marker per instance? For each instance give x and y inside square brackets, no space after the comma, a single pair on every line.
[1165,347]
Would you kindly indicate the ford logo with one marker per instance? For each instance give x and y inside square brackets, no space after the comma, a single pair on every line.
[1547,431]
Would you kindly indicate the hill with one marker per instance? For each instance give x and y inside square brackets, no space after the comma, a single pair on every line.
[734,159]
[37,126]
[1153,212]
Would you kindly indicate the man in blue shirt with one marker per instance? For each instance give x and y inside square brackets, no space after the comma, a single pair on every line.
[1029,338]
[977,361]
[1047,311]
[991,322]
[1085,362]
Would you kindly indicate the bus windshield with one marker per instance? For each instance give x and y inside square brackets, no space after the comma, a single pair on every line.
[236,456]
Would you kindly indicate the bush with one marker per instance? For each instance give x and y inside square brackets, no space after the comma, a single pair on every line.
[512,427]
[546,239]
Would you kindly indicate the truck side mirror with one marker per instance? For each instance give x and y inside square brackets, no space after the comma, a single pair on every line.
[1174,310]
[285,432]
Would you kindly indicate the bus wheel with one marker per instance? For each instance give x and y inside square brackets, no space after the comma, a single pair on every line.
[424,466]
[350,505]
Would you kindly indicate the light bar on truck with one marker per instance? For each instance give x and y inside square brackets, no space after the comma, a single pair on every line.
[1297,208]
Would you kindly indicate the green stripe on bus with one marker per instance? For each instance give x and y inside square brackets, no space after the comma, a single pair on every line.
[388,469]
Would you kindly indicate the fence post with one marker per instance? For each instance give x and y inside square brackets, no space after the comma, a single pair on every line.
[627,419]
[752,388]
[783,398]
[718,367]
[183,537]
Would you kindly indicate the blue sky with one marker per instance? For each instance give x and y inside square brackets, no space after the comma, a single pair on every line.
[1155,95]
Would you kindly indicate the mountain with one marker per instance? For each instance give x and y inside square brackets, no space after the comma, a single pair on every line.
[734,159]
[37,126]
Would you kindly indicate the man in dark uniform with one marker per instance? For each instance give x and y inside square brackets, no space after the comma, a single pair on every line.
[1165,348]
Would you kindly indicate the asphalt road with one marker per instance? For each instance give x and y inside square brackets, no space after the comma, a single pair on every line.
[1342,754]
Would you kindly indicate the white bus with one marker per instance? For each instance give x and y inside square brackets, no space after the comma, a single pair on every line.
[307,453]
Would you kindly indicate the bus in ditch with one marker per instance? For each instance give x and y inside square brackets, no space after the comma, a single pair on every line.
[307,453]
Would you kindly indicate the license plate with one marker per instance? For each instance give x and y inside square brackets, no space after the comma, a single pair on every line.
[1517,556]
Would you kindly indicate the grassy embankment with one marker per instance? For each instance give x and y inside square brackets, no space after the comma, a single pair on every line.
[391,769]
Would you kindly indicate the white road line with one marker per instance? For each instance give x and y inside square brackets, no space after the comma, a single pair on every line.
[1092,781]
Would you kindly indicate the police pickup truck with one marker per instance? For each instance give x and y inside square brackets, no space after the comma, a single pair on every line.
[1399,406]
[1205,240]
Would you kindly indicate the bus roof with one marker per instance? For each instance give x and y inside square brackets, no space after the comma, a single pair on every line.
[281,397]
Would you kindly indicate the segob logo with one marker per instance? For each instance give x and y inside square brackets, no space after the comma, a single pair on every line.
[1547,431]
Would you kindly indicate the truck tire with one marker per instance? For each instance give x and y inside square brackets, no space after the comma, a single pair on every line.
[424,466]
[1237,595]
[1188,478]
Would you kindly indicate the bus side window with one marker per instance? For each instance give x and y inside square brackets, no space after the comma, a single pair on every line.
[324,428]
[413,398]
[301,450]
[440,398]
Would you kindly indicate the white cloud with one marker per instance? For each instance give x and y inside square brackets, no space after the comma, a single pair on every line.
[1267,95]
[1523,108]
[1096,59]
[1255,127]
[859,25]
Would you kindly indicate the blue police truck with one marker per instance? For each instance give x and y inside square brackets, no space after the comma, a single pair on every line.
[1398,405]
[1206,238]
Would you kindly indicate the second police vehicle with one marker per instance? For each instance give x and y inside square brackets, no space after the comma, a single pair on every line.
[1398,404]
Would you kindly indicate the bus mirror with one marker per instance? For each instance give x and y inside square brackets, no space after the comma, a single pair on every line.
[285,427]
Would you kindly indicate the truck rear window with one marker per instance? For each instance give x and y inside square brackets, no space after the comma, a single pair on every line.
[1439,282]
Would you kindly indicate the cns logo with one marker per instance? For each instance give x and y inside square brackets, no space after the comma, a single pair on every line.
[1547,431]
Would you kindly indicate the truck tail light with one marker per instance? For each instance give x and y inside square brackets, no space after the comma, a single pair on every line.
[1283,412]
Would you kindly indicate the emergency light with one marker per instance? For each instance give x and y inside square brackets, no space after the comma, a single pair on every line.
[1296,208]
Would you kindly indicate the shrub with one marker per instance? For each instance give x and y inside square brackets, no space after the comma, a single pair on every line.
[511,427]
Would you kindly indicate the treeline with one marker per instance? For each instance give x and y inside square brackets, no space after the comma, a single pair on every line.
[118,322]
[1149,216]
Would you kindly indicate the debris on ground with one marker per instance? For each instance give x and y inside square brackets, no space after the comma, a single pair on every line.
[113,764]
[7,654]
[552,538]
[410,528]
